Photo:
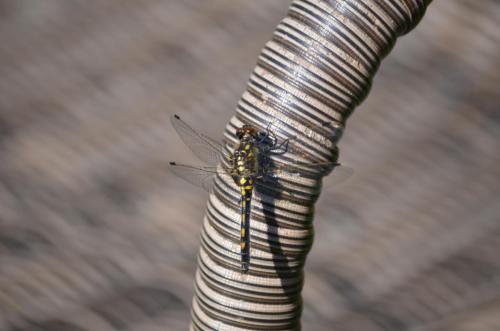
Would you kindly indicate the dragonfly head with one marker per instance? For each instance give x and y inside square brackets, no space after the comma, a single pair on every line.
[246,131]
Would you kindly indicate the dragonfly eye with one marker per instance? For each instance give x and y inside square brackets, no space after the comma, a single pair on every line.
[246,130]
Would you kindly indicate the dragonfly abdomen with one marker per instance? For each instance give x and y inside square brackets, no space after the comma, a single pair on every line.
[246,186]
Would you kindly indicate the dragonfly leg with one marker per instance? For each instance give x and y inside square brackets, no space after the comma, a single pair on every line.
[281,148]
[265,135]
[273,138]
[267,140]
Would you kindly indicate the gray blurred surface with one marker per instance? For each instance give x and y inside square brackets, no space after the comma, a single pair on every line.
[95,234]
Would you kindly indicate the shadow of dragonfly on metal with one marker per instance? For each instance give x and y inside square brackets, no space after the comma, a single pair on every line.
[250,167]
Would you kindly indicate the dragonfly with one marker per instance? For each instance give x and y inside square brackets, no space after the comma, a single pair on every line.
[250,165]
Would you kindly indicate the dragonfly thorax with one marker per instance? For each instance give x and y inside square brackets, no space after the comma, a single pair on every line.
[245,161]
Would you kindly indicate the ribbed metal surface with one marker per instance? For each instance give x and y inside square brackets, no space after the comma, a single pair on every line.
[317,67]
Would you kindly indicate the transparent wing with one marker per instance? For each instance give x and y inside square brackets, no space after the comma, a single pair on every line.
[291,174]
[205,148]
[200,177]
[270,185]
[296,145]
[330,129]
[337,173]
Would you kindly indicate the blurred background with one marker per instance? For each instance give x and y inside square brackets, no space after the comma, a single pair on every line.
[96,234]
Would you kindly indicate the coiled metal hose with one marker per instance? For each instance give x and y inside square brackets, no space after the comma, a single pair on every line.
[316,68]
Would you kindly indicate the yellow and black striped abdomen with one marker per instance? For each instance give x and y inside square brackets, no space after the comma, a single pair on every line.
[246,200]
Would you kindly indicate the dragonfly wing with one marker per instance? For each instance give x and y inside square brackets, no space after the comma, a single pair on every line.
[205,148]
[305,169]
[336,173]
[271,183]
[198,176]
